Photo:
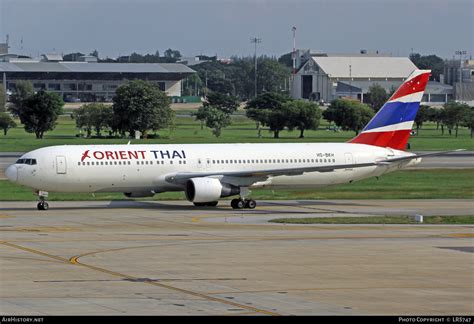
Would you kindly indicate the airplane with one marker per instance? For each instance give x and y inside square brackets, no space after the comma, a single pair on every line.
[208,172]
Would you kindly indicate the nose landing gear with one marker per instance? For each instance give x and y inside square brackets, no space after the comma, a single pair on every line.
[42,204]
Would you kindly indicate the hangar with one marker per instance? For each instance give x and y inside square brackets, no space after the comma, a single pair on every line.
[325,77]
[91,81]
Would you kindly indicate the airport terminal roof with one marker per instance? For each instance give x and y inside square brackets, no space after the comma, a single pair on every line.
[364,85]
[84,67]
[365,67]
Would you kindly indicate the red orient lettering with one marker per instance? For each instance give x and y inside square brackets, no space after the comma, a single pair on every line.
[116,155]
[132,155]
[98,155]
[109,155]
[143,154]
[123,155]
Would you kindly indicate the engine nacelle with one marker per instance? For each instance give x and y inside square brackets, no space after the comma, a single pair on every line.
[139,194]
[201,190]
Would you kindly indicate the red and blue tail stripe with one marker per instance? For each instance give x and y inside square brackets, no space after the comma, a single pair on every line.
[392,125]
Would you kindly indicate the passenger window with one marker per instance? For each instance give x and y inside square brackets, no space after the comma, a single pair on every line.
[171,161]
[78,163]
[184,162]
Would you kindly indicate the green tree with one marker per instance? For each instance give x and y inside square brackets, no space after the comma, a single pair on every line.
[468,119]
[40,111]
[453,115]
[349,114]
[223,102]
[271,76]
[424,114]
[302,115]
[141,106]
[377,96]
[24,89]
[431,62]
[173,54]
[6,122]
[3,99]
[94,116]
[215,118]
[267,109]
[286,59]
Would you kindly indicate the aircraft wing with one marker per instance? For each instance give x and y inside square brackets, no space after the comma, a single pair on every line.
[182,177]
[248,177]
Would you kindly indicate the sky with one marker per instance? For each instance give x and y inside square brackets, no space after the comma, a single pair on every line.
[225,27]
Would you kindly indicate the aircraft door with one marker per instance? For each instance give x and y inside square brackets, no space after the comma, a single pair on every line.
[61,164]
[204,163]
[349,159]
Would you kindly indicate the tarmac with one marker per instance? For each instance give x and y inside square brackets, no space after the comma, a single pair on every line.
[170,258]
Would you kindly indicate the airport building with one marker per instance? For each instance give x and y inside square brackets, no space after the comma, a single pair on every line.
[324,77]
[460,75]
[89,81]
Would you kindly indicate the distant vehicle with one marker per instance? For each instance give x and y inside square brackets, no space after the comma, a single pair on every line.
[72,99]
[208,172]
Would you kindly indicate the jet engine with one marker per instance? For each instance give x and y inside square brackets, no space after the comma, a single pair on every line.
[139,194]
[202,190]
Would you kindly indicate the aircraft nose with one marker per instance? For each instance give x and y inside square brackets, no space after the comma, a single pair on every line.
[12,173]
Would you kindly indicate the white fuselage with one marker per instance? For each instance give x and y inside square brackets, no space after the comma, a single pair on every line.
[142,168]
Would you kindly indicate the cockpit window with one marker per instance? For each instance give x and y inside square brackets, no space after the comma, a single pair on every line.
[26,161]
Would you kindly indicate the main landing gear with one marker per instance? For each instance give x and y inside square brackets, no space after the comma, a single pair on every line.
[243,203]
[42,204]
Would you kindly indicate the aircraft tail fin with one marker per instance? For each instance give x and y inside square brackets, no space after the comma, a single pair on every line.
[392,124]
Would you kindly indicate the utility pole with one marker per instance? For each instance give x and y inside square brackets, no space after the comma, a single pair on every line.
[255,40]
[350,81]
[294,52]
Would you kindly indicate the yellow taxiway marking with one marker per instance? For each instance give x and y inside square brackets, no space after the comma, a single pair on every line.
[461,235]
[74,261]
[196,219]
[39,229]
[35,252]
